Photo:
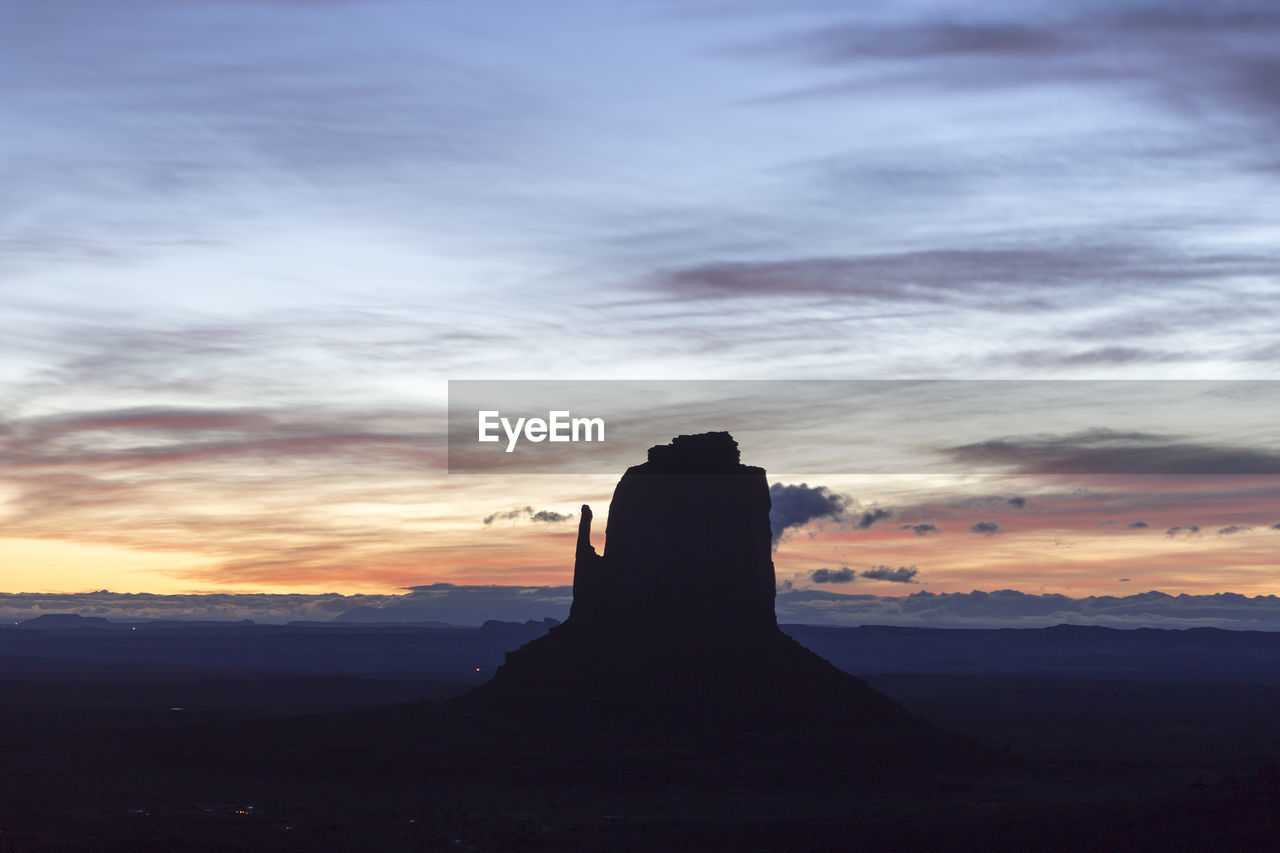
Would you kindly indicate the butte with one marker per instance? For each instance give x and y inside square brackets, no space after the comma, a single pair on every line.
[673,628]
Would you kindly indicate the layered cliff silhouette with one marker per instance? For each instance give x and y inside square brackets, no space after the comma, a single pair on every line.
[673,625]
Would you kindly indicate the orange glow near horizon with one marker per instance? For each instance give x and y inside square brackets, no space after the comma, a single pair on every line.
[388,535]
[50,565]
[1073,561]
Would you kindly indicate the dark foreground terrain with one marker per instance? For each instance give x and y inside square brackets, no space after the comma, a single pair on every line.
[194,754]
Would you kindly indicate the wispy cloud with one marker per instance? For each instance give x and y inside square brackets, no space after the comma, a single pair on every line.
[1133,52]
[1116,452]
[983,278]
[871,516]
[545,516]
[260,492]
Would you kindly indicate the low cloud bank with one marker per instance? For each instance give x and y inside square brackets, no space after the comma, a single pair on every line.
[474,604]
[468,605]
[269,608]
[441,602]
[1012,609]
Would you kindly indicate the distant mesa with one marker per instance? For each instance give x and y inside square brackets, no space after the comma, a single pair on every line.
[673,625]
[65,622]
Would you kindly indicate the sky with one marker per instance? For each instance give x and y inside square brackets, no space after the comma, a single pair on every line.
[244,245]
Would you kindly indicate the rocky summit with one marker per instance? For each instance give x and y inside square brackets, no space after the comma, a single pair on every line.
[688,546]
[673,624]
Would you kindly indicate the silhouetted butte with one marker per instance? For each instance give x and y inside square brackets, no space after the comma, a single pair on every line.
[673,626]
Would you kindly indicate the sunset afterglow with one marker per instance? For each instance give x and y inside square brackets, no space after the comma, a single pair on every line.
[237,279]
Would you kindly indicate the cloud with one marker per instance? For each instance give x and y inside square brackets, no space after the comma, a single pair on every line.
[1114,452]
[1108,356]
[1183,530]
[510,515]
[973,277]
[1232,529]
[838,44]
[1209,61]
[987,528]
[542,515]
[549,516]
[871,516]
[921,529]
[794,506]
[211,130]
[1008,279]
[846,575]
[160,436]
[1017,503]
[902,574]
[1138,525]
